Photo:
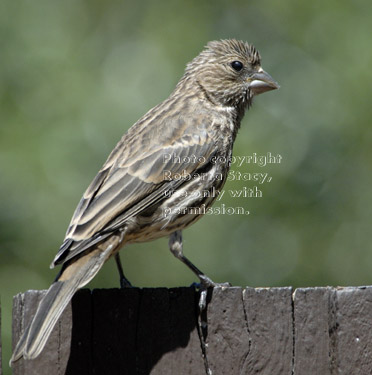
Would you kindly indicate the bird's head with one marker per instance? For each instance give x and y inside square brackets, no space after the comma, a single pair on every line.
[230,73]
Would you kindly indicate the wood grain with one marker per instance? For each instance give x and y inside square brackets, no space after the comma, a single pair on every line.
[263,331]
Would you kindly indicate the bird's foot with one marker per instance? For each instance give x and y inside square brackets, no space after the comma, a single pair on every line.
[203,286]
[206,282]
[125,283]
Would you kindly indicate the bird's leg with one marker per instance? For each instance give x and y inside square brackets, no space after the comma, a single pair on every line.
[175,246]
[124,282]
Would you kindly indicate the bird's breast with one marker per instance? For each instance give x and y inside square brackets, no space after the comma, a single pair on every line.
[183,206]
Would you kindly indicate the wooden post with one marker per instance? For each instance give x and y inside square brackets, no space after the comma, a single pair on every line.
[263,331]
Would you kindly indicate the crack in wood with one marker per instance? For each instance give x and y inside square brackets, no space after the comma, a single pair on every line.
[332,331]
[247,327]
[293,332]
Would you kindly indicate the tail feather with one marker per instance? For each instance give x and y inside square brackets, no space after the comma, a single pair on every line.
[74,276]
[49,310]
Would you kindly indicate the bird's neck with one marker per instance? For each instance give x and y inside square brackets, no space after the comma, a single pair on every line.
[191,84]
[232,112]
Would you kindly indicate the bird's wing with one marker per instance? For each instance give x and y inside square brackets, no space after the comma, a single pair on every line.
[134,177]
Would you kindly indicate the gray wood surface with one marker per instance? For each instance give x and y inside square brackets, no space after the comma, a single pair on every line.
[266,331]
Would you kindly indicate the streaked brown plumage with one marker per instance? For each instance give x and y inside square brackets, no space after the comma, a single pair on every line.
[128,199]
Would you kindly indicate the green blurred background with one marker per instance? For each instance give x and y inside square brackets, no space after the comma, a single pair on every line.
[75,75]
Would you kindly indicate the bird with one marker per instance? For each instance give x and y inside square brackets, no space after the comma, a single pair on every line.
[158,179]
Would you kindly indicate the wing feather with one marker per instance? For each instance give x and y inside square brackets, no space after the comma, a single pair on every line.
[131,180]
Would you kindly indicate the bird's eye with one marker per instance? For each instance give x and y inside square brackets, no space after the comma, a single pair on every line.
[237,65]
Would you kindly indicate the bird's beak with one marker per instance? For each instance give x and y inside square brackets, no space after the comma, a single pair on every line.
[261,81]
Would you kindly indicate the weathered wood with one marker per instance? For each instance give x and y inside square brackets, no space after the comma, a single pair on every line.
[57,349]
[354,331]
[333,331]
[272,331]
[270,323]
[313,317]
[228,334]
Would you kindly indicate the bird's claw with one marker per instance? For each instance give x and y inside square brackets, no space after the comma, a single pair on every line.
[125,283]
[206,282]
[203,286]
[203,299]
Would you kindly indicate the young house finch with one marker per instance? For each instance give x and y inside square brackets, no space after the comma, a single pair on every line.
[151,184]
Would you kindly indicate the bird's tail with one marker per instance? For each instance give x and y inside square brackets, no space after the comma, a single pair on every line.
[77,274]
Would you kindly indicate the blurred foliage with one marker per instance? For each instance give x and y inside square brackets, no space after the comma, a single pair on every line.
[74,75]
